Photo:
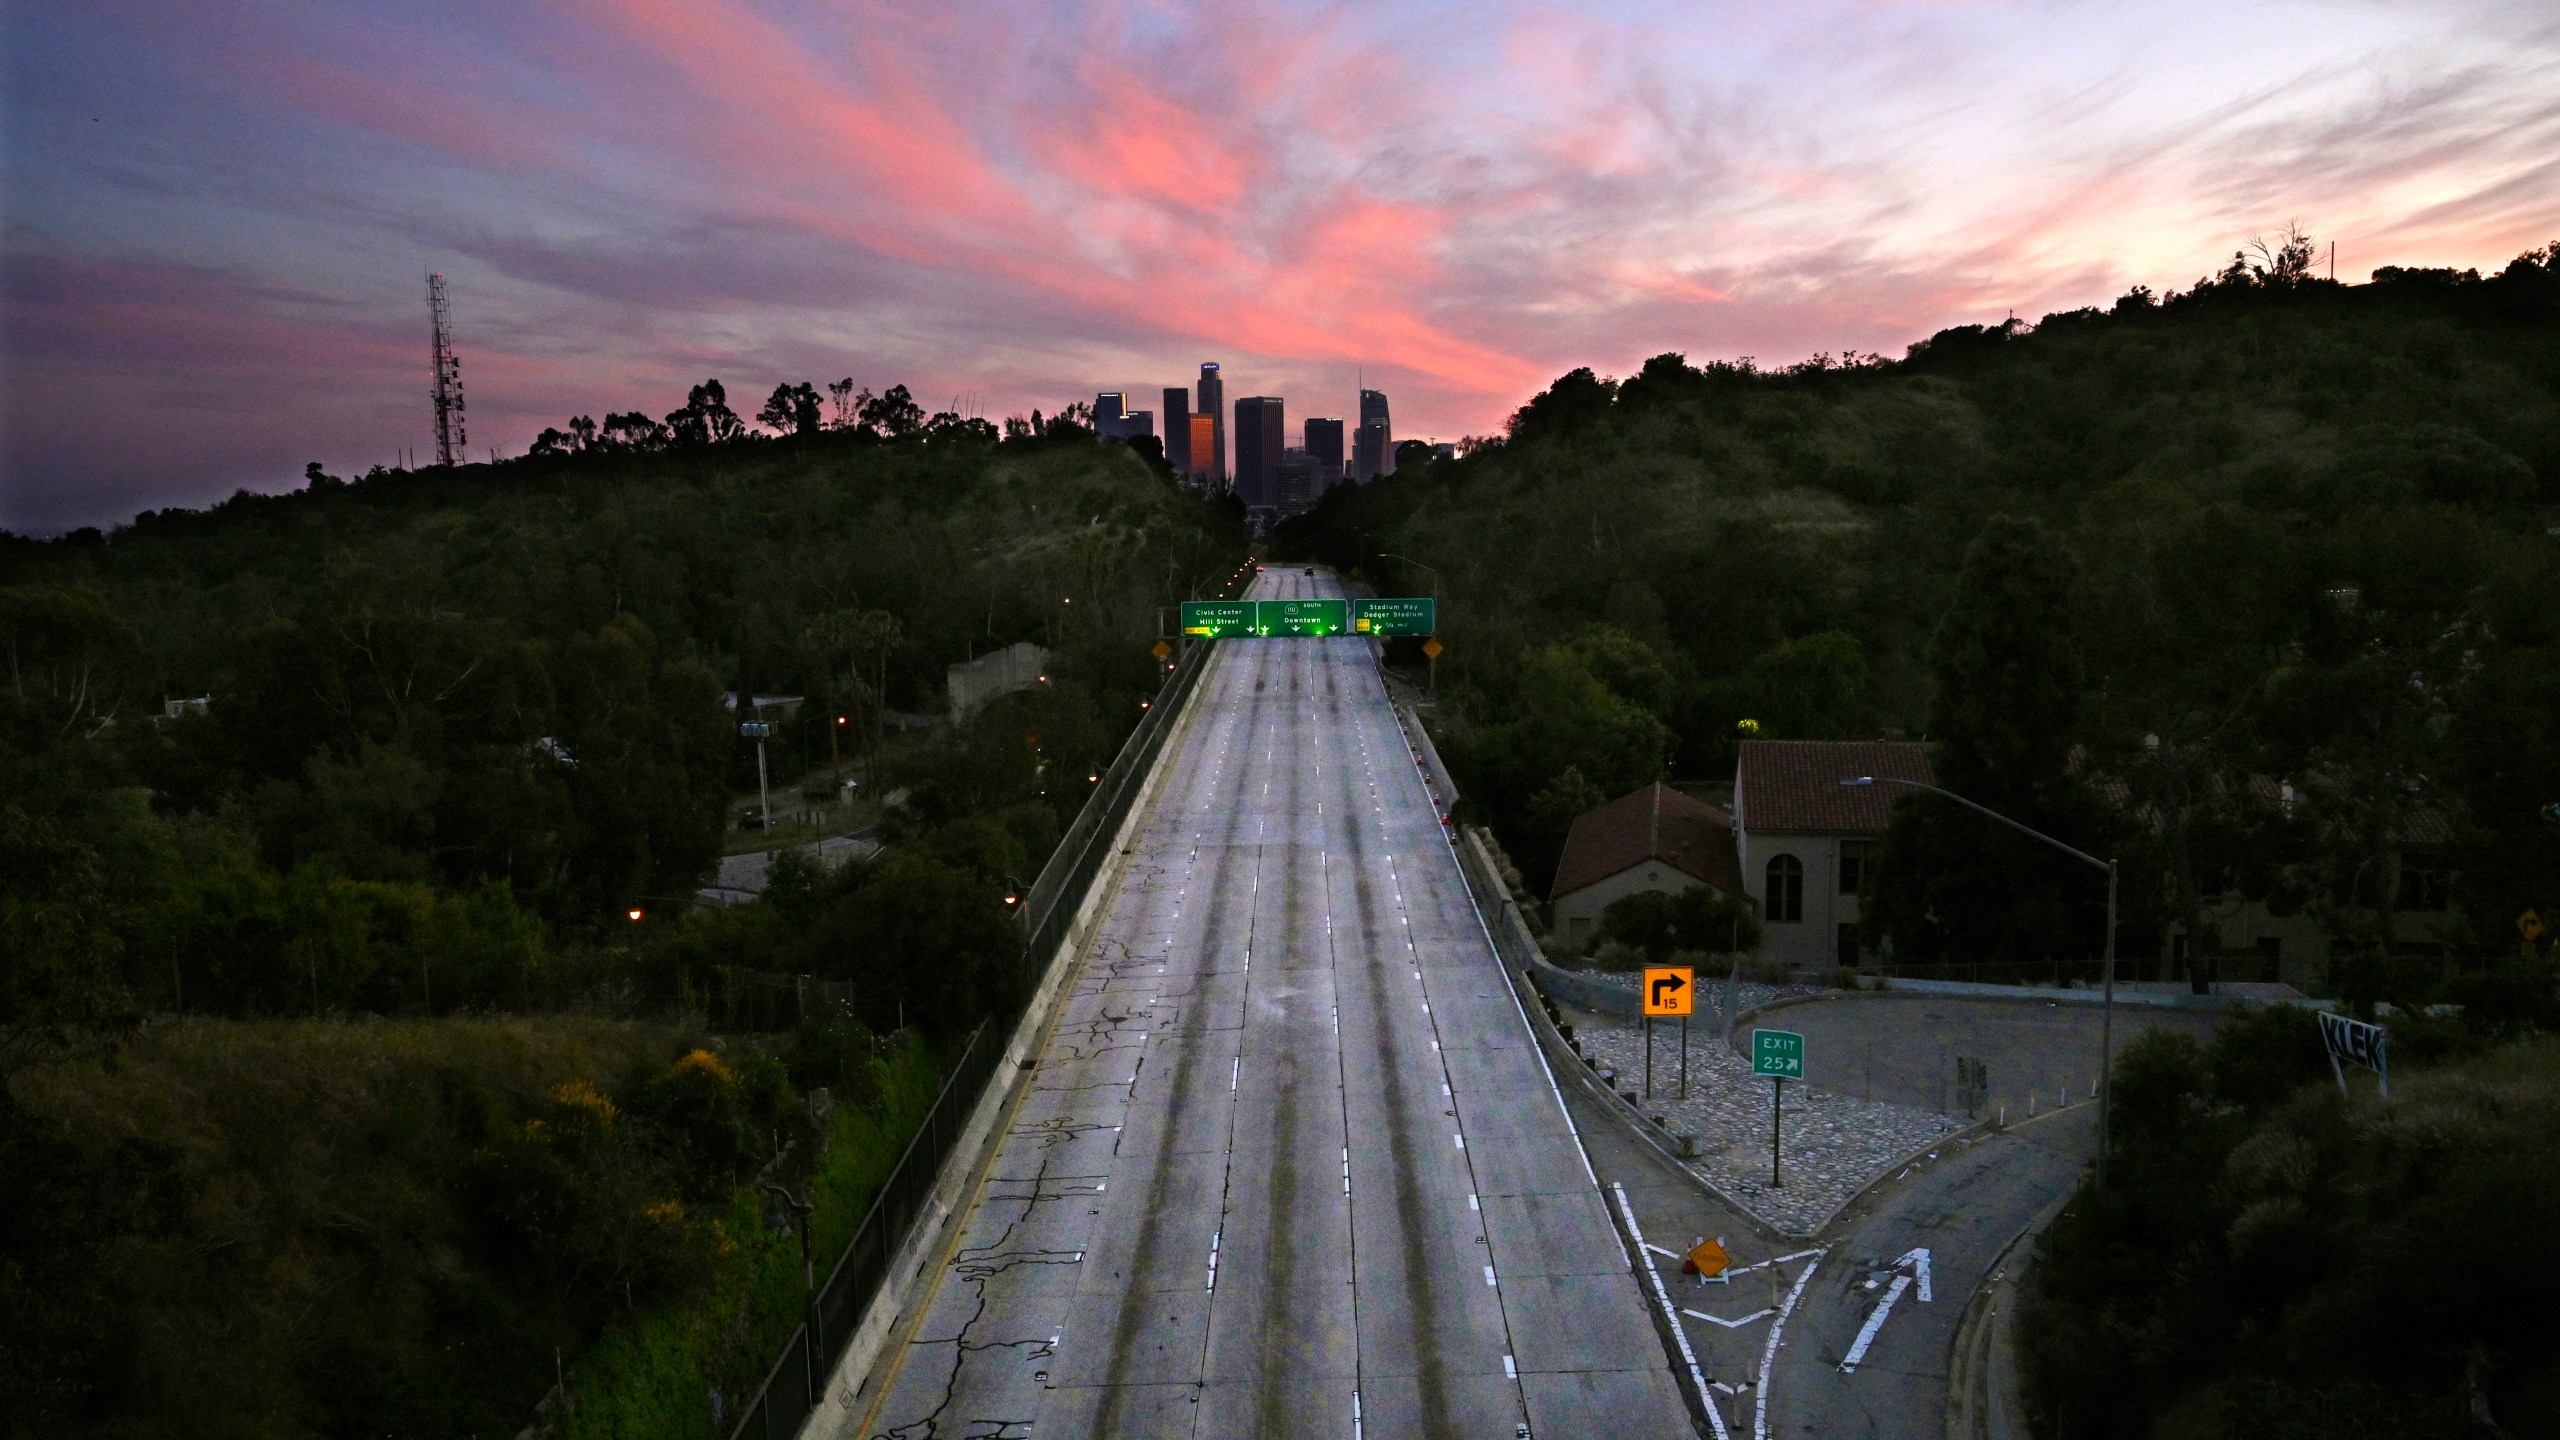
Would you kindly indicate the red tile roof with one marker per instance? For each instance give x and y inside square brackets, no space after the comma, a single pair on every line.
[1655,823]
[1794,785]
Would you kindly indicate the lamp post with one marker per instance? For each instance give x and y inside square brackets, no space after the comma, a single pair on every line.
[1432,661]
[2107,1010]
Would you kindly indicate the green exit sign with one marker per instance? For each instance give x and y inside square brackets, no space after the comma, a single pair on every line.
[1777,1052]
[1396,617]
[1217,619]
[1302,617]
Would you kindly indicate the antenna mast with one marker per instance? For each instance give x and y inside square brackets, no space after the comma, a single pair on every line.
[448,393]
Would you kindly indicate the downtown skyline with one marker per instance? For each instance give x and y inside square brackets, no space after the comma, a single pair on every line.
[218,226]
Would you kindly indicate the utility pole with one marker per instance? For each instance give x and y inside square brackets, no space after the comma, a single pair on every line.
[450,437]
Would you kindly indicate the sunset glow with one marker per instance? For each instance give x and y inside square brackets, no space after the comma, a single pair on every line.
[220,217]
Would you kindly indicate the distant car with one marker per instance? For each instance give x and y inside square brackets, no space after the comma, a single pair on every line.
[1311,569]
[752,820]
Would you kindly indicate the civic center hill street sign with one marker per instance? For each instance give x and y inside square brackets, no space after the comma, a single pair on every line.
[1668,990]
[1777,1052]
[1217,619]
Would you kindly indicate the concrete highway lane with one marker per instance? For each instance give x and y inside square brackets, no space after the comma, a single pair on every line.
[1290,1163]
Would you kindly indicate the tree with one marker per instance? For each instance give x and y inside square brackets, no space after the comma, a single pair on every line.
[847,641]
[706,418]
[791,410]
[840,396]
[634,431]
[1952,882]
[892,416]
[1577,400]
[1699,919]
[70,660]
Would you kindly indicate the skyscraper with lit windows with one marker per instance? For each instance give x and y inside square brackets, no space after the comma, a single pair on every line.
[1211,396]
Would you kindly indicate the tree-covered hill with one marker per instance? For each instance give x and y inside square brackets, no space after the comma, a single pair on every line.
[510,675]
[363,1057]
[2302,532]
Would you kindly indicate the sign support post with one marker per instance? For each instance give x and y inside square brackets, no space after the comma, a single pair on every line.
[1777,1054]
[1668,990]
[1777,1113]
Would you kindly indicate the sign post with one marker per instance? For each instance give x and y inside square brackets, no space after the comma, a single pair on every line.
[1668,990]
[1778,1054]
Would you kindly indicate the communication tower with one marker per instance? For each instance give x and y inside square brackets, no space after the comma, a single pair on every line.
[450,439]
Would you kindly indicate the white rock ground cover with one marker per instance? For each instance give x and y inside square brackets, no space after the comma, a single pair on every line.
[1833,1146]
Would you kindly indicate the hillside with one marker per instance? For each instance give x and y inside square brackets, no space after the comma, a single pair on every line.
[2299,531]
[363,1056]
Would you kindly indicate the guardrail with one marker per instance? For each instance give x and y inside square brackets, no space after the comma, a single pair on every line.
[1056,895]
[799,1375]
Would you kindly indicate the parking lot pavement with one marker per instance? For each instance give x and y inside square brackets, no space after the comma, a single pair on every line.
[1902,1049]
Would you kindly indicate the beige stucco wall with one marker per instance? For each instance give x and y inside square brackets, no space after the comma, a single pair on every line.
[1812,943]
[1577,912]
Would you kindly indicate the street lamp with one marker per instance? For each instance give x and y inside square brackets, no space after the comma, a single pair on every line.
[2107,1013]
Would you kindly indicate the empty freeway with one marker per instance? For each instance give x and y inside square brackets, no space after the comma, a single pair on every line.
[1289,1162]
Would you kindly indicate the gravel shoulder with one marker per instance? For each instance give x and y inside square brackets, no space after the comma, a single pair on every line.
[1833,1144]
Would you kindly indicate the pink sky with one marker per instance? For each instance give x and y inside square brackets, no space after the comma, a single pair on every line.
[219,217]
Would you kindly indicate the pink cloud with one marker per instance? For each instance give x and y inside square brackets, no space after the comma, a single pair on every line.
[1039,201]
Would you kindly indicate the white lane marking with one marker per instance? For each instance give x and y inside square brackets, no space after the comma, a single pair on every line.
[1688,1356]
[1473,1203]
[1355,1415]
[1508,1372]
[1720,1320]
[1235,1068]
[1213,1258]
[1488,1274]
[1875,1322]
[1919,1256]
[1769,1354]
[1774,1260]
[1461,1141]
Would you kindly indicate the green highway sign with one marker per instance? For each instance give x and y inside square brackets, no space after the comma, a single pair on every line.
[1396,617]
[1216,619]
[1777,1052]
[1302,617]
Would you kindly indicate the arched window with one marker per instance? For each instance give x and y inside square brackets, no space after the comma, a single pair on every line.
[1783,901]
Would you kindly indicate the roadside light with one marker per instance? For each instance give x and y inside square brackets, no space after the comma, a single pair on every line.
[1012,899]
[840,720]
[1143,704]
[636,916]
[1092,779]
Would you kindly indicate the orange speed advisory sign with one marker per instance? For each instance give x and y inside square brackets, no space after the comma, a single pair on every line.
[1668,990]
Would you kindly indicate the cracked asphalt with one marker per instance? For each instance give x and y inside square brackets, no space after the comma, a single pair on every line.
[1290,1163]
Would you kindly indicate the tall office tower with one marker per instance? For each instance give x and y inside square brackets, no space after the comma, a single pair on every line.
[1211,392]
[1373,411]
[1177,428]
[1369,453]
[1324,448]
[1108,407]
[1294,487]
[1134,423]
[1204,443]
[1259,440]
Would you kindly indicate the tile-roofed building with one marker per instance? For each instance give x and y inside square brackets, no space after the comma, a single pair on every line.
[1794,785]
[1651,839]
[1805,841]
